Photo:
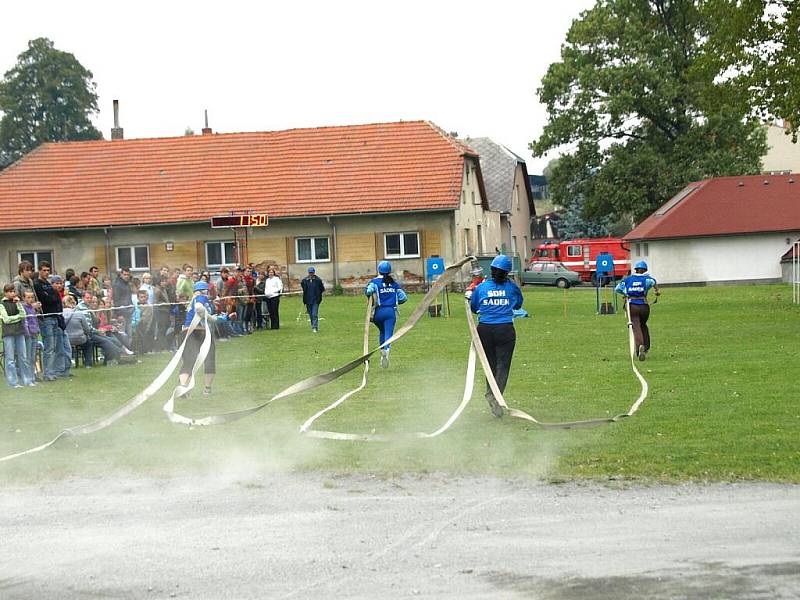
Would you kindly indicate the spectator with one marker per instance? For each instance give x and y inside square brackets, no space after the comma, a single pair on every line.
[143,324]
[72,289]
[102,334]
[52,324]
[23,282]
[185,284]
[273,289]
[107,288]
[122,297]
[147,285]
[94,282]
[313,288]
[12,316]
[31,327]
[65,358]
[250,313]
[78,330]
[161,308]
[260,304]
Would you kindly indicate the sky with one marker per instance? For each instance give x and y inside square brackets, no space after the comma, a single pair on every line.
[469,67]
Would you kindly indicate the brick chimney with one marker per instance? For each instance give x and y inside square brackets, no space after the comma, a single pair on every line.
[206,129]
[116,132]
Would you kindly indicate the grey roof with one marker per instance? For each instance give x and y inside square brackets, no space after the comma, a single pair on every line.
[498,166]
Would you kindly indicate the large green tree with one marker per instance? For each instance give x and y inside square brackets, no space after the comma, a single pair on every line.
[47,97]
[641,110]
[759,42]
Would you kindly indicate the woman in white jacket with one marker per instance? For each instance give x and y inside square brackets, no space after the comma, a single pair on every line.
[273,287]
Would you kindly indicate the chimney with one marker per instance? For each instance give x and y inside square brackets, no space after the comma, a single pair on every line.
[116,132]
[206,129]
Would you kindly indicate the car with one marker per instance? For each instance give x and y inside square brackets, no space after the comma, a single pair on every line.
[549,273]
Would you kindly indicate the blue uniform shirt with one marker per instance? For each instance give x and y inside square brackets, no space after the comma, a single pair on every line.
[635,287]
[389,294]
[202,299]
[496,302]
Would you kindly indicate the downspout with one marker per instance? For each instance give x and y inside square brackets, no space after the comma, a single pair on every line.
[108,252]
[335,252]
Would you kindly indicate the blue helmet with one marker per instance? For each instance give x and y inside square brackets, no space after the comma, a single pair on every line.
[502,262]
[640,265]
[201,286]
[384,267]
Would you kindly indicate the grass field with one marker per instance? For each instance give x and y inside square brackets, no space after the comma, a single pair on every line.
[724,376]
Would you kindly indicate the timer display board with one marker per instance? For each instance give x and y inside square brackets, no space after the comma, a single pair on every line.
[240,221]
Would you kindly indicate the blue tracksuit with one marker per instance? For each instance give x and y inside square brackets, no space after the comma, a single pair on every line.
[387,297]
[635,287]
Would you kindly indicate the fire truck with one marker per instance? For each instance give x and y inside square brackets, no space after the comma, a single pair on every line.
[581,255]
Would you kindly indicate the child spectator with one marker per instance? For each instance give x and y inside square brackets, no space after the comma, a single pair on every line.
[143,324]
[12,316]
[31,328]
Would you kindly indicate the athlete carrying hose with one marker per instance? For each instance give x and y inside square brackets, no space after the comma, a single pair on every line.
[634,288]
[495,301]
[388,295]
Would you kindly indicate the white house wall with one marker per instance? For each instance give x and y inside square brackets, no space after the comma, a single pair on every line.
[740,258]
[475,231]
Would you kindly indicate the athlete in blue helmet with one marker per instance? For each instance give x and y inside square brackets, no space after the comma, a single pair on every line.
[634,288]
[388,295]
[495,301]
[192,348]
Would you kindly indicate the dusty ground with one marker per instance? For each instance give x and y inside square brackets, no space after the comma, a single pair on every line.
[326,536]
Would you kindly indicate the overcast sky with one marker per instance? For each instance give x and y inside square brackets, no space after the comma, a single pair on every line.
[470,67]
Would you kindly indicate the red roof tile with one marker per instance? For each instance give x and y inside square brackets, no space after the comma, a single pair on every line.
[405,166]
[726,206]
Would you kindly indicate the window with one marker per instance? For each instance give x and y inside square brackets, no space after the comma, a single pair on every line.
[645,248]
[537,268]
[401,245]
[312,249]
[466,171]
[35,257]
[219,254]
[513,244]
[516,196]
[467,244]
[550,268]
[525,247]
[135,258]
[574,251]
[638,250]
[480,240]
[463,197]
[473,198]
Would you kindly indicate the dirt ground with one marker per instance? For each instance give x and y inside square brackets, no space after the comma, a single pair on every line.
[302,535]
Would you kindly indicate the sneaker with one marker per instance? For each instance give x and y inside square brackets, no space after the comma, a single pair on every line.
[207,390]
[126,351]
[18,386]
[315,330]
[642,353]
[31,384]
[384,359]
[497,410]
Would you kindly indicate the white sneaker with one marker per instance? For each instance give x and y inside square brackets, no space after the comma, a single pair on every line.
[384,359]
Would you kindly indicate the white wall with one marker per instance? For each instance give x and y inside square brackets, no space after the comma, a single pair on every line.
[715,259]
[782,153]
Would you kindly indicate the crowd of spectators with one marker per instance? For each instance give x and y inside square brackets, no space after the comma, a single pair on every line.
[51,323]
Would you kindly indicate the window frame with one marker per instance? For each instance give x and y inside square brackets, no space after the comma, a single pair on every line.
[313,258]
[211,266]
[569,251]
[133,267]
[36,259]
[403,253]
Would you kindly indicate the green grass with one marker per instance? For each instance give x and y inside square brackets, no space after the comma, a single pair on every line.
[723,402]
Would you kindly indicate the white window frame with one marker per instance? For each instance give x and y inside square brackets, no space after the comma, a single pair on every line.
[313,239]
[36,259]
[134,267]
[571,251]
[221,243]
[403,253]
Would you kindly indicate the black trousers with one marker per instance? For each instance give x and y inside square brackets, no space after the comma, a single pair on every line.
[641,334]
[272,309]
[192,349]
[498,343]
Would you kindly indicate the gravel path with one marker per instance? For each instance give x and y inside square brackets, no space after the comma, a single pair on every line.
[326,536]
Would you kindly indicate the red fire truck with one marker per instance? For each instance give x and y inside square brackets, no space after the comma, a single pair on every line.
[581,255]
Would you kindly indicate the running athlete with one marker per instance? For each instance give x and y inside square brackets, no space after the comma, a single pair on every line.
[495,301]
[388,295]
[634,288]
[195,340]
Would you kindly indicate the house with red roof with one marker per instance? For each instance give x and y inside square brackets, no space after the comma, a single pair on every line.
[338,198]
[720,230]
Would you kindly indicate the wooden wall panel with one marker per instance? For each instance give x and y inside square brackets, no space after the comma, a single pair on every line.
[431,242]
[356,247]
[100,259]
[267,250]
[184,252]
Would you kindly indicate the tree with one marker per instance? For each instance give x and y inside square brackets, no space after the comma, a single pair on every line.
[47,97]
[643,114]
[759,40]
